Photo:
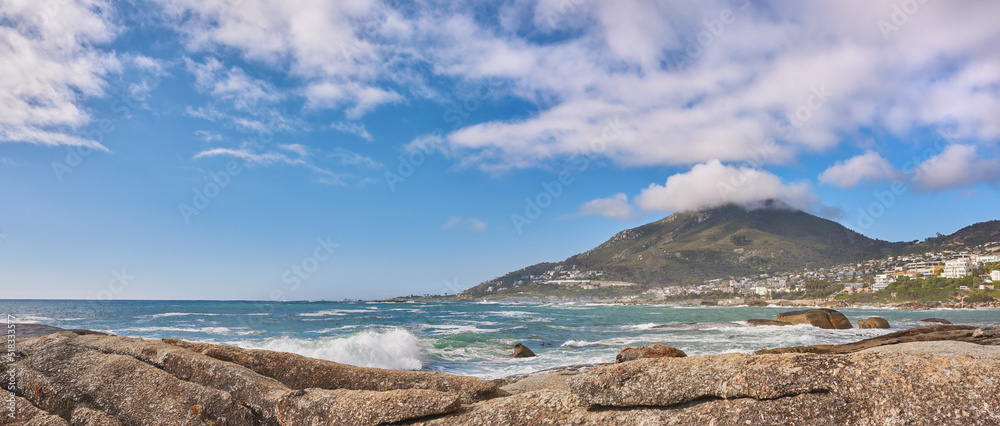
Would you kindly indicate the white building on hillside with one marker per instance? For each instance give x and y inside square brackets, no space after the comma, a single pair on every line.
[957,268]
[995,276]
[882,281]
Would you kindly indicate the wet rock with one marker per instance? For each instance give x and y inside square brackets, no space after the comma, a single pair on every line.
[763,322]
[521,351]
[651,351]
[937,320]
[39,330]
[920,334]
[873,322]
[822,318]
[299,372]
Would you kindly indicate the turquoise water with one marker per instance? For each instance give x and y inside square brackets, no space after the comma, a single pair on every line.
[460,338]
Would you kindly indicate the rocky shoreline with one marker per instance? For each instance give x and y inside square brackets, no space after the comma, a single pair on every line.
[938,374]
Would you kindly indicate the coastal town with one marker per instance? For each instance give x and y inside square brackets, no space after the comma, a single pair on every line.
[982,263]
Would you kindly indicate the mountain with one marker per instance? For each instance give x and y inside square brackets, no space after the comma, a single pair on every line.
[972,235]
[717,243]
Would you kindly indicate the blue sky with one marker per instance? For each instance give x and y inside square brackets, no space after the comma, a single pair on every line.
[259,149]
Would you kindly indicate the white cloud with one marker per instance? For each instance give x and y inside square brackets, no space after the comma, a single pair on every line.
[957,166]
[51,65]
[714,184]
[471,223]
[869,166]
[333,47]
[827,63]
[271,158]
[353,128]
[231,84]
[351,158]
[616,207]
[208,136]
[685,87]
[296,148]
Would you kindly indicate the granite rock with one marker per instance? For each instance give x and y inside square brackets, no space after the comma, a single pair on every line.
[651,351]
[822,318]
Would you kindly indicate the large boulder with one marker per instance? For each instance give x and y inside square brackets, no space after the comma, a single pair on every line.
[873,322]
[822,318]
[110,380]
[651,351]
[300,372]
[521,351]
[884,388]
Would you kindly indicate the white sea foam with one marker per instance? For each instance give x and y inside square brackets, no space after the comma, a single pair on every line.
[180,314]
[224,331]
[510,314]
[333,329]
[577,343]
[393,348]
[645,326]
[31,319]
[456,329]
[335,312]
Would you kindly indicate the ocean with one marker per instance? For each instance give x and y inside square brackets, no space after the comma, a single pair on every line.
[465,338]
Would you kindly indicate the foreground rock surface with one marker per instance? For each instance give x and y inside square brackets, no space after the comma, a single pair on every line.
[66,378]
[940,375]
[896,388]
[822,318]
[299,372]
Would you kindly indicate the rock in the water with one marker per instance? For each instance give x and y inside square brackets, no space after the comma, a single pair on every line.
[822,318]
[937,320]
[651,351]
[913,305]
[521,351]
[873,322]
[762,322]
